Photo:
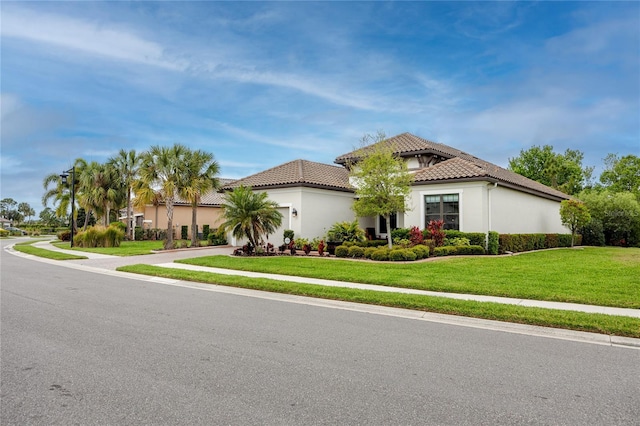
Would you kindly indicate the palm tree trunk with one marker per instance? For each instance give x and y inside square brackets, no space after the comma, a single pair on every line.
[129,230]
[168,245]
[194,225]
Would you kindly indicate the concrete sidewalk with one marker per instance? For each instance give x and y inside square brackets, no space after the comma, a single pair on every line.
[166,260]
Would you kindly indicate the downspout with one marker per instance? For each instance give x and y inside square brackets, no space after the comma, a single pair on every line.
[489,188]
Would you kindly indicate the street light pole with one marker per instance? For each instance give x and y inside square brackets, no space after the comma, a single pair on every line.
[73,196]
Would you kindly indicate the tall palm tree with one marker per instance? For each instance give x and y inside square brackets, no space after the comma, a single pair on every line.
[199,177]
[249,214]
[127,164]
[60,194]
[101,189]
[161,171]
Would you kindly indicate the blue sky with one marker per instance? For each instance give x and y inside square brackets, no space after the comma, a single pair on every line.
[259,84]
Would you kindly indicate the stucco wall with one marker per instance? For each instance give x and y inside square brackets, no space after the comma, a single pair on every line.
[207,215]
[472,204]
[514,212]
[322,209]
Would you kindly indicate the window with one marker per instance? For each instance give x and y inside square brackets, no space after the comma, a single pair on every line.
[444,207]
[393,221]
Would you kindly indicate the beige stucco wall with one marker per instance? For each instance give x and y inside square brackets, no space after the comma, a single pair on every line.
[514,212]
[207,215]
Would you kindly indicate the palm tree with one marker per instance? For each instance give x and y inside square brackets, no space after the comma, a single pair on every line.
[199,177]
[26,210]
[161,170]
[127,164]
[249,214]
[59,193]
[101,189]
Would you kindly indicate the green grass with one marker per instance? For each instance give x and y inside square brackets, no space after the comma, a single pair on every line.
[27,248]
[597,323]
[127,248]
[605,276]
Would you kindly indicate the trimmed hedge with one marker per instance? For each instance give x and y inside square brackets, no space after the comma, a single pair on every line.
[422,252]
[372,243]
[458,250]
[380,254]
[342,251]
[516,243]
[368,252]
[493,243]
[356,252]
[475,238]
[444,251]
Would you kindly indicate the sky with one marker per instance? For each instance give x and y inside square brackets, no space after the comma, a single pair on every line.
[260,83]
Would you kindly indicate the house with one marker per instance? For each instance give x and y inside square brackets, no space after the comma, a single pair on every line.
[154,216]
[469,194]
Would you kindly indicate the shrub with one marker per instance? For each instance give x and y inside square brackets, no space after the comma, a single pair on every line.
[300,243]
[436,233]
[415,236]
[444,251]
[404,243]
[593,233]
[321,248]
[342,251]
[458,241]
[64,235]
[469,250]
[421,251]
[430,245]
[380,254]
[120,225]
[372,243]
[217,238]
[493,245]
[288,233]
[3,232]
[368,252]
[399,255]
[526,242]
[356,252]
[346,231]
[205,232]
[475,238]
[138,233]
[112,236]
[400,234]
[306,248]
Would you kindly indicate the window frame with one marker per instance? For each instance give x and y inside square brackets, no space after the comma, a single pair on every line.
[441,193]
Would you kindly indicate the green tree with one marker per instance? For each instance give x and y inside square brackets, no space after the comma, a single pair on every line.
[199,177]
[49,218]
[622,174]
[249,214]
[25,210]
[60,194]
[7,205]
[619,213]
[101,189]
[161,171]
[574,214]
[563,172]
[382,181]
[127,164]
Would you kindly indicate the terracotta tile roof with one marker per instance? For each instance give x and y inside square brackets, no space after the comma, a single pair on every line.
[213,198]
[407,145]
[298,173]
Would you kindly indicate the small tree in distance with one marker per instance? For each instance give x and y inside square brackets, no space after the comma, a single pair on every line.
[574,214]
[381,179]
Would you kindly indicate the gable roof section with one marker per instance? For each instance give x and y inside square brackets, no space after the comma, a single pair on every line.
[466,166]
[297,173]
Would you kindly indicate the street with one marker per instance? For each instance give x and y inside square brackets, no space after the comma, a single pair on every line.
[85,348]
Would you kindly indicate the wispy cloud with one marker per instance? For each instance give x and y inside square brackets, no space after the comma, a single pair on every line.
[84,36]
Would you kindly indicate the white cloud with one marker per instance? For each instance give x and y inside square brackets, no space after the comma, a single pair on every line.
[85,36]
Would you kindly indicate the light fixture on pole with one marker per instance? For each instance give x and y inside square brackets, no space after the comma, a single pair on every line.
[64,176]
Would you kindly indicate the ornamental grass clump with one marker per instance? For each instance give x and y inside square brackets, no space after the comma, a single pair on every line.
[99,236]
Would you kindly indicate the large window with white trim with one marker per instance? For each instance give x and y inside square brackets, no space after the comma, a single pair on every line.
[445,207]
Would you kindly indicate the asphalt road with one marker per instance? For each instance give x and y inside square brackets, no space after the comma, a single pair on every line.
[84,348]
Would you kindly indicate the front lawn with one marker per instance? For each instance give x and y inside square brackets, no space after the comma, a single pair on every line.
[127,248]
[27,248]
[605,276]
[596,323]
